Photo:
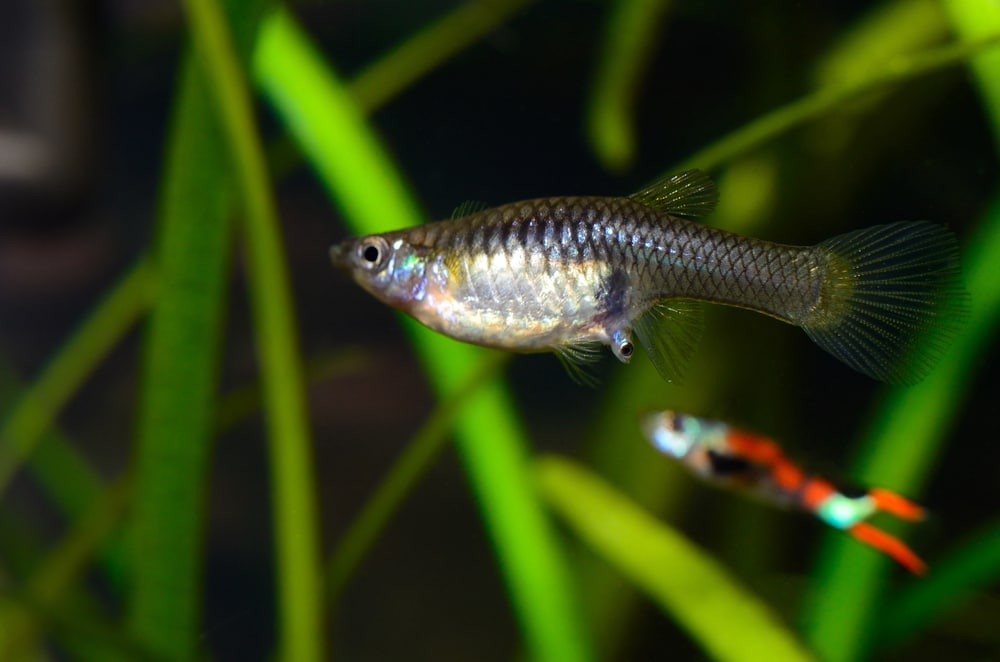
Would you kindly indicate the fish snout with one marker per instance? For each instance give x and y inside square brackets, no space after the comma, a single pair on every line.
[340,254]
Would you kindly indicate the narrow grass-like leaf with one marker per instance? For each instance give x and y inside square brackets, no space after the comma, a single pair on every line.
[38,407]
[179,379]
[412,464]
[86,634]
[68,479]
[970,568]
[331,129]
[64,565]
[900,447]
[726,620]
[629,44]
[429,48]
[884,32]
[774,124]
[320,115]
[974,21]
[906,433]
[245,401]
[295,516]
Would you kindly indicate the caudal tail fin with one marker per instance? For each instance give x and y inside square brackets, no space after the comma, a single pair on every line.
[892,300]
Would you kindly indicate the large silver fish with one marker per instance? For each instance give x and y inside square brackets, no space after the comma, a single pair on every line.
[567,274]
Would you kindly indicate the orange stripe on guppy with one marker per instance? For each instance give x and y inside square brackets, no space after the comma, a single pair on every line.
[569,274]
[739,460]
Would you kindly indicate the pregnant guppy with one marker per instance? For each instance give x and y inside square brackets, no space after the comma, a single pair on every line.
[740,460]
[568,274]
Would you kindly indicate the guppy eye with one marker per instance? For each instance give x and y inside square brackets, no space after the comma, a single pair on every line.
[373,253]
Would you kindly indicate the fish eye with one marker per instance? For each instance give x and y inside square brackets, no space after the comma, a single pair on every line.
[373,253]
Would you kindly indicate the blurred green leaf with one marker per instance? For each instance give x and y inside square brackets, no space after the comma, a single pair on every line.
[332,131]
[905,436]
[726,620]
[411,465]
[429,48]
[975,21]
[179,379]
[300,603]
[884,32]
[631,34]
[972,567]
[39,405]
[900,448]
[49,585]
[771,125]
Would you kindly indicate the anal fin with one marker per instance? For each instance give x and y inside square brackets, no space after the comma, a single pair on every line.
[669,332]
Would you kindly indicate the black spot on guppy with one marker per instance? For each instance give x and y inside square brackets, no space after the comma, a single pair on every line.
[566,274]
[728,465]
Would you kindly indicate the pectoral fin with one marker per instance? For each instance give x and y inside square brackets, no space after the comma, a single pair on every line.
[576,358]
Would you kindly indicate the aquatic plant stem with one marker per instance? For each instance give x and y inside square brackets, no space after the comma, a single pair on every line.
[906,433]
[417,457]
[773,124]
[178,378]
[971,568]
[976,21]
[430,47]
[900,447]
[723,617]
[39,405]
[57,573]
[630,39]
[330,128]
[301,636]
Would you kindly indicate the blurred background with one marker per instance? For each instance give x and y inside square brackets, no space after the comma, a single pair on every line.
[535,107]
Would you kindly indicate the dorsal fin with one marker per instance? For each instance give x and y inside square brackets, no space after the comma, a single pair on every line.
[690,193]
[468,208]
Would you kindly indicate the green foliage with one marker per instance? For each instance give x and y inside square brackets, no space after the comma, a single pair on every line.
[573,596]
[696,591]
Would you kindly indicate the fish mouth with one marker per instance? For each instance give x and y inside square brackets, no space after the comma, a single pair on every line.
[339,254]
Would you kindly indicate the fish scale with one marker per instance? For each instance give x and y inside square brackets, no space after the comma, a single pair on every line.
[566,273]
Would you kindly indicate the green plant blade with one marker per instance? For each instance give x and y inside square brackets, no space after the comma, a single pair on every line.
[907,432]
[430,47]
[331,130]
[972,567]
[629,43]
[61,569]
[39,405]
[900,448]
[179,378]
[975,21]
[293,483]
[411,465]
[726,620]
[769,126]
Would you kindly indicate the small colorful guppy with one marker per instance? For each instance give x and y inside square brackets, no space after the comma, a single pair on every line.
[569,274]
[736,459]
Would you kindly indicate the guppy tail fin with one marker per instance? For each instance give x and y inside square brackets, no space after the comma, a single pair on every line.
[892,300]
